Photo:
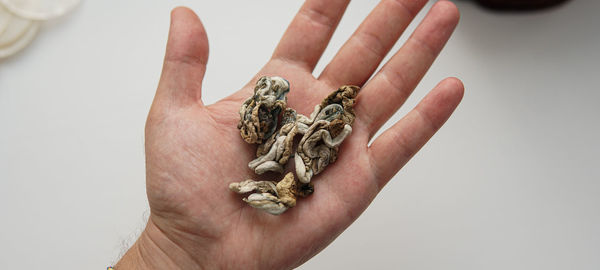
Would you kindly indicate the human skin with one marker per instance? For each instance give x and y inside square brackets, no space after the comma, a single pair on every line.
[193,150]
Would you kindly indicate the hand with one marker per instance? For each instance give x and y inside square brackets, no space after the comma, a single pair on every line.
[193,150]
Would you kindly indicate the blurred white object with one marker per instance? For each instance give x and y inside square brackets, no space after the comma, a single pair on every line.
[20,21]
[15,29]
[5,17]
[22,41]
[39,9]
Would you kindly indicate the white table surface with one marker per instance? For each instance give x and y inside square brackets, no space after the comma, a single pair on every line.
[510,182]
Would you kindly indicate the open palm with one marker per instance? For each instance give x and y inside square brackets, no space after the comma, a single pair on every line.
[194,150]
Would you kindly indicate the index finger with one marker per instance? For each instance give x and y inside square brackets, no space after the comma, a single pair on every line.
[310,31]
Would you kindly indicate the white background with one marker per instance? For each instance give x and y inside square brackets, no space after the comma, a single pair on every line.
[510,182]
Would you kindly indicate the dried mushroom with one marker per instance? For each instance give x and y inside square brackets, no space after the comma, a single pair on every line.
[274,153]
[320,144]
[265,120]
[272,197]
[259,114]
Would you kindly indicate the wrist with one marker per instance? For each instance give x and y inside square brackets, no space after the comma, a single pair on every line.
[154,250]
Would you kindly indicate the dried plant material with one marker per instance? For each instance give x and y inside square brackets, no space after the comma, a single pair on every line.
[345,96]
[251,185]
[259,114]
[288,189]
[322,134]
[303,122]
[266,202]
[320,144]
[271,197]
[274,153]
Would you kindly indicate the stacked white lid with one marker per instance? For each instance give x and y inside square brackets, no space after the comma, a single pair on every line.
[20,21]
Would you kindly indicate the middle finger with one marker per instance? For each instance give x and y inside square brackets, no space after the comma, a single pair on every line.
[370,43]
[390,87]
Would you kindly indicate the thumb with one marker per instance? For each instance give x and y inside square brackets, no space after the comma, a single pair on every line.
[185,61]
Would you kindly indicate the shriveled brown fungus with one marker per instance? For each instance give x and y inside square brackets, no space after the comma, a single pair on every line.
[271,197]
[259,113]
[323,132]
[275,152]
[320,144]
